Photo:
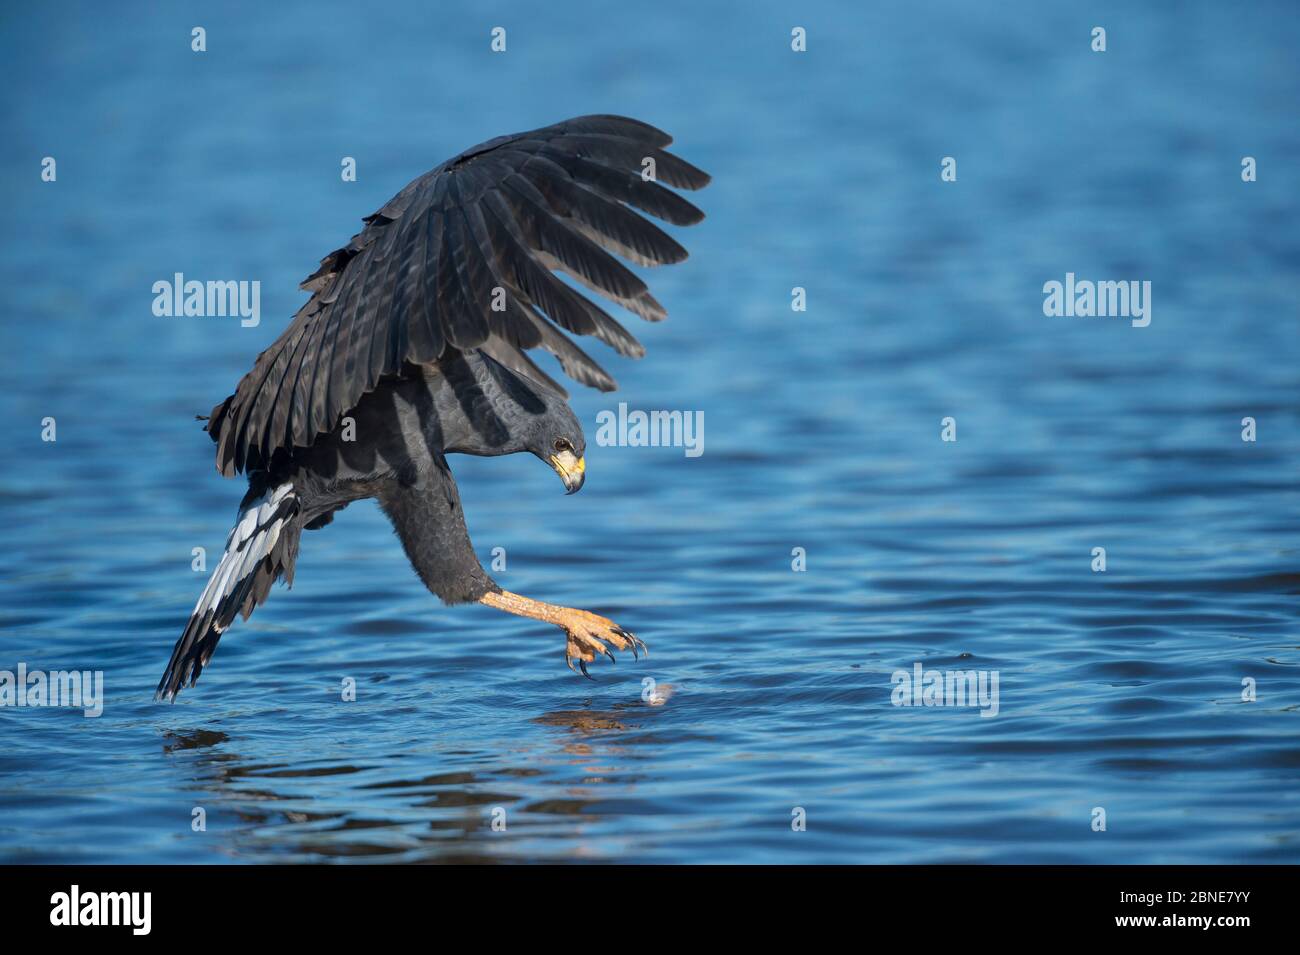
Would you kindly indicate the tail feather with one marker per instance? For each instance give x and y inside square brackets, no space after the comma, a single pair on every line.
[261,548]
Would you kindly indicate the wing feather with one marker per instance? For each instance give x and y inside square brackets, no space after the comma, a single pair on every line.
[605,221]
[420,280]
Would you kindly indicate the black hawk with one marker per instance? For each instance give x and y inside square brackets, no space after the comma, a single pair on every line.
[414,346]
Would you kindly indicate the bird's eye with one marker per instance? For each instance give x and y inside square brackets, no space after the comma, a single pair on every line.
[562,445]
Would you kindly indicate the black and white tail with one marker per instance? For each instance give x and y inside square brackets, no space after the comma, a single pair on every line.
[261,548]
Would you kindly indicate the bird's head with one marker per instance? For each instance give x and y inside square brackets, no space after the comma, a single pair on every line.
[569,463]
[558,441]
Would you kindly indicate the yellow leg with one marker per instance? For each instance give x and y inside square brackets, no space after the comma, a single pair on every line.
[587,632]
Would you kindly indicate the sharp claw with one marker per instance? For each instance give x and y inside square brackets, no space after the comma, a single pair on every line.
[633,641]
[583,665]
[610,655]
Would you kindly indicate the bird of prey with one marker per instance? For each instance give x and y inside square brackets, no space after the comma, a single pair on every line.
[413,346]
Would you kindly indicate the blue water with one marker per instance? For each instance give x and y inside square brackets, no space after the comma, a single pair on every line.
[1119,690]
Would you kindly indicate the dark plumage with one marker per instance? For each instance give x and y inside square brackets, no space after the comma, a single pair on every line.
[414,345]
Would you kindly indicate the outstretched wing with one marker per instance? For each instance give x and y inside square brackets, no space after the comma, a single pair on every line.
[462,258]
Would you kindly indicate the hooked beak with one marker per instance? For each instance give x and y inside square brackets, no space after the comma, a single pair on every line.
[571,469]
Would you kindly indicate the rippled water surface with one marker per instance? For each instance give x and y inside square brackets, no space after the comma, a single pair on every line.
[1119,690]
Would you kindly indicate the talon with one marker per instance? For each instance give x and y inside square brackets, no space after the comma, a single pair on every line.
[587,632]
[632,640]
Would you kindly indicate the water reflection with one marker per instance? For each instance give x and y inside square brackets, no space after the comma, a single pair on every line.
[388,809]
